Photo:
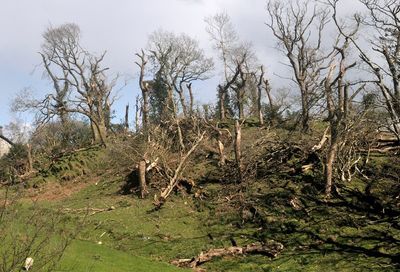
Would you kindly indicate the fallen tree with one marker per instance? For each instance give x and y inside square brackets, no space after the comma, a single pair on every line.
[174,180]
[271,249]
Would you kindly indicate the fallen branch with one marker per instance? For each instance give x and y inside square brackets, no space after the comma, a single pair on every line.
[158,202]
[271,249]
[382,150]
[321,143]
[89,211]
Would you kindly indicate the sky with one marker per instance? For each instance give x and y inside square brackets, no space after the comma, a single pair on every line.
[121,27]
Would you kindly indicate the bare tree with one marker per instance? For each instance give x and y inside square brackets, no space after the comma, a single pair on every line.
[383,26]
[299,30]
[339,96]
[240,90]
[144,86]
[231,52]
[224,36]
[180,61]
[223,91]
[337,100]
[77,73]
[262,84]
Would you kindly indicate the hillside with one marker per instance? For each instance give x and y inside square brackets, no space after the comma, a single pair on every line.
[277,202]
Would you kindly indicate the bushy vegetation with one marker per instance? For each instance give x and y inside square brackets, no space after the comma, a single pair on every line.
[13,164]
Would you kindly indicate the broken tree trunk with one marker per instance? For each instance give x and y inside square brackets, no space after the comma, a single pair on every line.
[29,157]
[177,173]
[142,178]
[221,152]
[180,135]
[238,152]
[271,249]
[137,114]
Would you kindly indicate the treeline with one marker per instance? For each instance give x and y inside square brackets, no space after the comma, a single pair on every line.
[347,73]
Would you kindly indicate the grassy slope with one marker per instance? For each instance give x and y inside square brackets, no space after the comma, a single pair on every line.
[335,237]
[86,256]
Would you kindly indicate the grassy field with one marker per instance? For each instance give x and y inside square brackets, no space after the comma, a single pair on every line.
[118,232]
[87,256]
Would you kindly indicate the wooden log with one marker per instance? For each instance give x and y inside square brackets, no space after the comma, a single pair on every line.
[271,249]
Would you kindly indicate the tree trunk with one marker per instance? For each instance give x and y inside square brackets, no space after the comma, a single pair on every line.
[189,86]
[95,132]
[180,135]
[331,156]
[238,152]
[137,114]
[126,125]
[142,178]
[304,111]
[272,249]
[270,100]
[240,104]
[102,129]
[259,107]
[145,111]
[99,131]
[221,103]
[30,159]
[221,150]
[183,102]
[107,115]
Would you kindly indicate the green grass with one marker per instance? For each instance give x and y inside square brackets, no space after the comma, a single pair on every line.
[348,234]
[86,256]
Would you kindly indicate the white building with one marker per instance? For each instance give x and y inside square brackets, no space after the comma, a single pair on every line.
[5,144]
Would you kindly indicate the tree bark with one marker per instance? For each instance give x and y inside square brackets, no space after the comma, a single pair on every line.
[30,159]
[95,132]
[259,107]
[272,249]
[240,104]
[305,115]
[137,114]
[126,125]
[191,102]
[221,103]
[329,167]
[221,152]
[145,111]
[142,178]
[180,92]
[144,86]
[238,152]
